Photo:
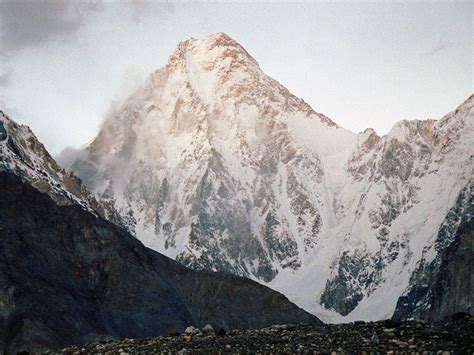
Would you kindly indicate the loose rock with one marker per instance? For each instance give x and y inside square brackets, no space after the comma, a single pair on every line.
[450,336]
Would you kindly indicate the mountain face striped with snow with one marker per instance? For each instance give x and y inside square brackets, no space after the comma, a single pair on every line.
[217,165]
[22,154]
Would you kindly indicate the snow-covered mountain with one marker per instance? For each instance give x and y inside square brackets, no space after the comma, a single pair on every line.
[217,165]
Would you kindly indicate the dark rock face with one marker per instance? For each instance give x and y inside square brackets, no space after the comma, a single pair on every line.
[69,277]
[3,132]
[340,294]
[446,285]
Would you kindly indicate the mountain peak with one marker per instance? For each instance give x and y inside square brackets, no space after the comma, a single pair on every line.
[217,47]
[219,166]
[220,38]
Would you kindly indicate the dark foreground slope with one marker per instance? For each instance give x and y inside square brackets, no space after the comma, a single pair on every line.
[68,277]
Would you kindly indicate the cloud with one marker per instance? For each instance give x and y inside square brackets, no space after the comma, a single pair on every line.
[5,78]
[70,155]
[31,23]
[438,47]
[10,111]
[142,9]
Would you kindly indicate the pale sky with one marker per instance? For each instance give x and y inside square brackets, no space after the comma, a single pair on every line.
[363,64]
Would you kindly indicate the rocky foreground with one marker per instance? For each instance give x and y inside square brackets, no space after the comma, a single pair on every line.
[452,335]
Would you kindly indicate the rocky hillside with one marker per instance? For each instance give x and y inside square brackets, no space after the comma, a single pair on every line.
[68,277]
[220,167]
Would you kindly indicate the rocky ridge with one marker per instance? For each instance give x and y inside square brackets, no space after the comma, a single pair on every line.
[25,156]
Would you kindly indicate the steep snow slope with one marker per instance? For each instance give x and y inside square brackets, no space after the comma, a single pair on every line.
[217,165]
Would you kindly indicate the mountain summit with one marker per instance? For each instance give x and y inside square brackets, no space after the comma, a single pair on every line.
[220,167]
[216,48]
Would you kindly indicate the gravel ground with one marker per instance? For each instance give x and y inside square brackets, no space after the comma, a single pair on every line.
[450,336]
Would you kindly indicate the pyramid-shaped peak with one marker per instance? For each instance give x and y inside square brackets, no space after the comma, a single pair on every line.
[215,47]
[221,37]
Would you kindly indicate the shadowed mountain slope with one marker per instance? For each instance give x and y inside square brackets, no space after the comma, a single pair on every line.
[69,277]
